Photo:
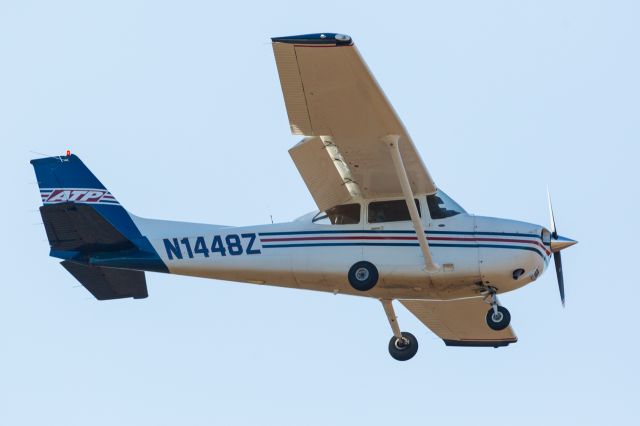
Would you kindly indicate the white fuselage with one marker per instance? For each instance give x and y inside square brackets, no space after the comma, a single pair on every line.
[472,251]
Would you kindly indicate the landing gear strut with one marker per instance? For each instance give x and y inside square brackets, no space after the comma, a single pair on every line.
[498,317]
[403,345]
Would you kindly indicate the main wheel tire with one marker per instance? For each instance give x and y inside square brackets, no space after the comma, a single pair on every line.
[405,350]
[500,321]
[363,276]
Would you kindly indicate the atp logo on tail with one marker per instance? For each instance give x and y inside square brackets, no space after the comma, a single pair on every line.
[77,195]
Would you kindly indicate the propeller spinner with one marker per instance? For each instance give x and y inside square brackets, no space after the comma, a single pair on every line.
[558,243]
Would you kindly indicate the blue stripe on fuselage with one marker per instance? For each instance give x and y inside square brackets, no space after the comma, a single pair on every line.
[360,231]
[368,244]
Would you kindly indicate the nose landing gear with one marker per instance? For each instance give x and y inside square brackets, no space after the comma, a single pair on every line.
[498,317]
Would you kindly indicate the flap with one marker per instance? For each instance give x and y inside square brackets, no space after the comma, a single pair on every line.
[322,171]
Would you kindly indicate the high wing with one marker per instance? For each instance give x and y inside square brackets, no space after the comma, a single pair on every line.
[459,322]
[332,97]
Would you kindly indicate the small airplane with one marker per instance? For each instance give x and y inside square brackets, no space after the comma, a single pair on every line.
[383,229]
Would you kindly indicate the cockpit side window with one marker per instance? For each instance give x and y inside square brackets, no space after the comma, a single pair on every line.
[442,206]
[345,214]
[389,211]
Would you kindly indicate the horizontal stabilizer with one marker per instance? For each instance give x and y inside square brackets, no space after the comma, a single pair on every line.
[79,227]
[108,283]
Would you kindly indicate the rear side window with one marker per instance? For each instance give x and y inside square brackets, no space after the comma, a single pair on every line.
[345,214]
[390,211]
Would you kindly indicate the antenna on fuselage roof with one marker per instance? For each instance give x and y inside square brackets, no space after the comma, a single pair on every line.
[270,214]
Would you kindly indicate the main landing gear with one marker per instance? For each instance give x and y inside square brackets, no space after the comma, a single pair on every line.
[363,276]
[498,317]
[402,346]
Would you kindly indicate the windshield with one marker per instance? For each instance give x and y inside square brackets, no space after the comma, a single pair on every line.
[442,206]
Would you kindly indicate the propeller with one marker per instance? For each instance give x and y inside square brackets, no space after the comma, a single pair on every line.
[558,243]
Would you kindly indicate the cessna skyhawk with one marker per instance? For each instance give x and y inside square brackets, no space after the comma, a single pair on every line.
[383,228]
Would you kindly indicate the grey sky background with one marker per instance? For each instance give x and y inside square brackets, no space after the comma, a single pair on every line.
[176,107]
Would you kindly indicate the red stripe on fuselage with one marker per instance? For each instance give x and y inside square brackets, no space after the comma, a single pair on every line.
[469,239]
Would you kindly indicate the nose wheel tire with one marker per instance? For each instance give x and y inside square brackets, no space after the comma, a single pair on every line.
[363,276]
[498,320]
[403,349]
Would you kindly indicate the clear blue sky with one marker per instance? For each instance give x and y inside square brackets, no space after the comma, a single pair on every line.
[177,108]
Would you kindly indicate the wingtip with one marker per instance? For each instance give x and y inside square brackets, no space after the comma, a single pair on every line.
[316,39]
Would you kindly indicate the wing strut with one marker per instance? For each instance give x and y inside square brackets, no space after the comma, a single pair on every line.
[392,143]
